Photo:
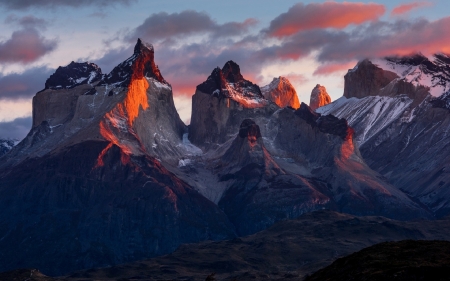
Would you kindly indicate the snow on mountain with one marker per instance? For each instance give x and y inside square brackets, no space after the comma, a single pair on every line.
[73,75]
[369,115]
[419,70]
[6,145]
[228,82]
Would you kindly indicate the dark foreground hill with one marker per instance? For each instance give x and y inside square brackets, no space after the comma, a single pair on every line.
[400,261]
[289,250]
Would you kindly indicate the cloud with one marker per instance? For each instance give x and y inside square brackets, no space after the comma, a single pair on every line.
[15,129]
[301,17]
[406,8]
[45,4]
[399,38]
[331,68]
[163,25]
[27,21]
[25,85]
[25,46]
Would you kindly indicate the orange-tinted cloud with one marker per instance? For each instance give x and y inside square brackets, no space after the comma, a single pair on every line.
[406,8]
[331,68]
[302,17]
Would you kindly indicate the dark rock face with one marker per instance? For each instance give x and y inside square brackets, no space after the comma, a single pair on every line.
[442,101]
[69,215]
[74,74]
[140,64]
[366,80]
[218,83]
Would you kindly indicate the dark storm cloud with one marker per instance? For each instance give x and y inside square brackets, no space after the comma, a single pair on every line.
[163,25]
[15,129]
[25,4]
[24,85]
[25,46]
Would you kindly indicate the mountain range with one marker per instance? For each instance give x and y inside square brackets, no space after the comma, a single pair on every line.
[110,174]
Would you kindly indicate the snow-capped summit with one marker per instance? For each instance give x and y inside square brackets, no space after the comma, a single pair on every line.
[420,71]
[281,92]
[74,74]
[228,82]
[319,97]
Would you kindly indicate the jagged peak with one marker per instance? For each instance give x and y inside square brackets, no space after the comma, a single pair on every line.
[142,47]
[319,97]
[281,92]
[74,74]
[232,72]
[228,82]
[248,129]
[140,64]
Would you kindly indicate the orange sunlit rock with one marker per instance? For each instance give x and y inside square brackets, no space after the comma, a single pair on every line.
[281,92]
[319,97]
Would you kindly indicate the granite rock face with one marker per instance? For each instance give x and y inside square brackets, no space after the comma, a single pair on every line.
[402,132]
[281,92]
[221,103]
[88,182]
[319,97]
[366,79]
[74,74]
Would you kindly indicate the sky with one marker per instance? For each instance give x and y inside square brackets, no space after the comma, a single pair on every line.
[309,42]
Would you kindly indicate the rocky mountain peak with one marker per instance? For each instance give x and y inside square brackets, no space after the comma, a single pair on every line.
[366,79]
[281,92]
[232,72]
[74,74]
[250,130]
[319,97]
[228,82]
[142,47]
[140,64]
[328,124]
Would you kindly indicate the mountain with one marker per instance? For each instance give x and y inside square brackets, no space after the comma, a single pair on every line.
[402,127]
[226,98]
[85,188]
[319,97]
[269,163]
[6,145]
[402,261]
[297,248]
[281,92]
[109,173]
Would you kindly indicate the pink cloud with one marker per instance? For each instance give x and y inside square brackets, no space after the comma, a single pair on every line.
[302,17]
[331,68]
[25,46]
[406,8]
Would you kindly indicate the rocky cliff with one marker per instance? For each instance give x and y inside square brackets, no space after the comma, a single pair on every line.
[403,131]
[281,92]
[319,97]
